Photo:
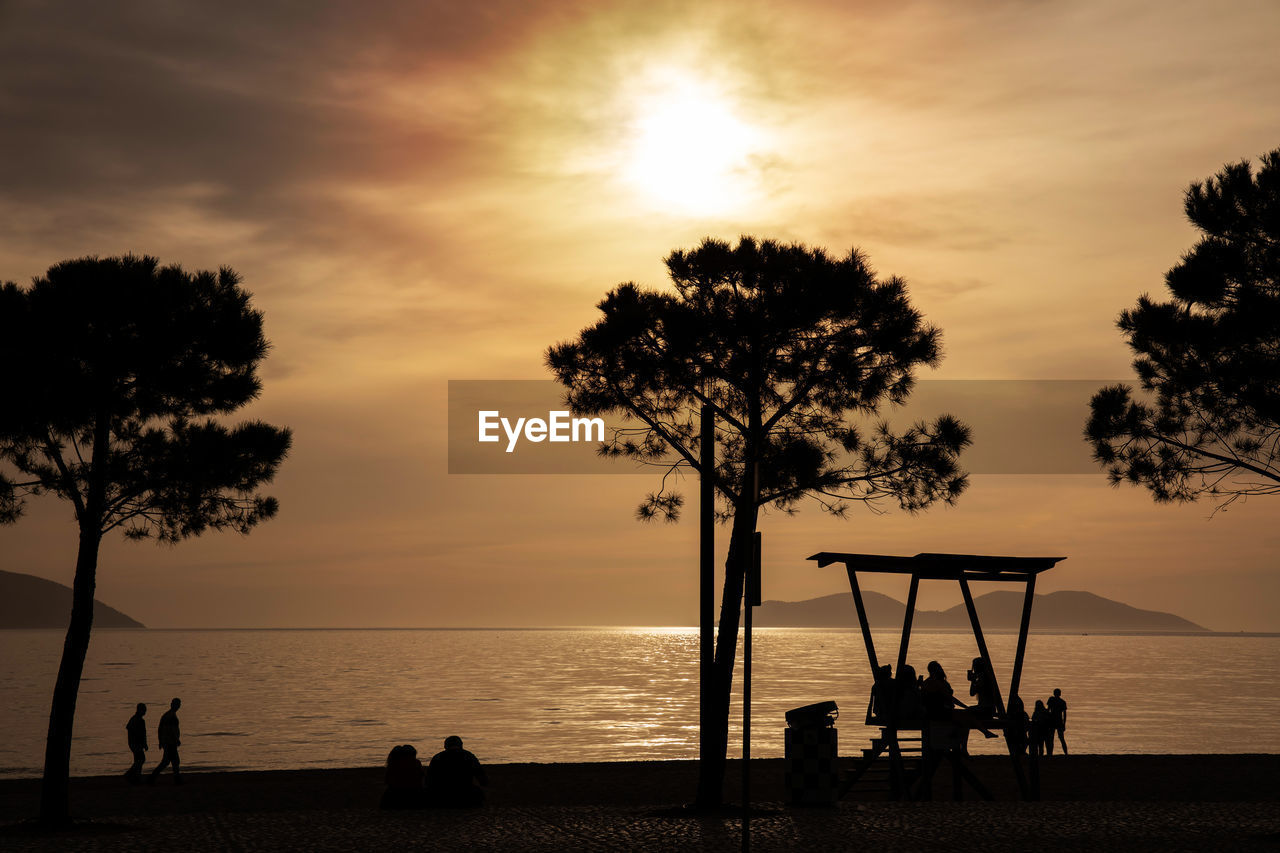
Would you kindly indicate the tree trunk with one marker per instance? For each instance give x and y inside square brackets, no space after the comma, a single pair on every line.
[711,773]
[54,794]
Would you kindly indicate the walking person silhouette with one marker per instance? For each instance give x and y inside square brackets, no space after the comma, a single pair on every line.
[168,737]
[137,732]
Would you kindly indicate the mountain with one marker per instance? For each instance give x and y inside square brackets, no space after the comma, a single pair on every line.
[998,611]
[829,611]
[27,601]
[1061,610]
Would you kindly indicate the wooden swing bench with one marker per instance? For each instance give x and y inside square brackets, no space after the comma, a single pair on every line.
[916,747]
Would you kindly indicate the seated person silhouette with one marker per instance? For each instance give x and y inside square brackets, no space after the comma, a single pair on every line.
[936,693]
[404,778]
[908,706]
[882,703]
[454,776]
[941,703]
[982,685]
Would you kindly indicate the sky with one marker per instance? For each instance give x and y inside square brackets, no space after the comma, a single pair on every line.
[419,192]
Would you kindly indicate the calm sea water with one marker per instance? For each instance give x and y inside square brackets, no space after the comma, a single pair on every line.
[281,699]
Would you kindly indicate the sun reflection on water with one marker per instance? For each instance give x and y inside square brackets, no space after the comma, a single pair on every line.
[342,698]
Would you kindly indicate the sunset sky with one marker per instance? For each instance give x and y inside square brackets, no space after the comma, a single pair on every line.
[418,192]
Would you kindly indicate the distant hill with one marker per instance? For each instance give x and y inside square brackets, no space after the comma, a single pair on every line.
[999,610]
[829,611]
[27,601]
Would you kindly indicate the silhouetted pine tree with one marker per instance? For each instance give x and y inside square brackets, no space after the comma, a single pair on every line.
[113,371]
[787,345]
[1210,355]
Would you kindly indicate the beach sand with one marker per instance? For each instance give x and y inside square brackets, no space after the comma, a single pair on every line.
[1152,802]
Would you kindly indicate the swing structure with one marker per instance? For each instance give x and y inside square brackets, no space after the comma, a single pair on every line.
[936,741]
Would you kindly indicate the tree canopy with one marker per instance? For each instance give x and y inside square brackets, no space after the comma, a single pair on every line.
[119,365]
[786,344]
[789,347]
[1209,356]
[114,372]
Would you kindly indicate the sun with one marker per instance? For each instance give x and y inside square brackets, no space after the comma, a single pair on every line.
[688,147]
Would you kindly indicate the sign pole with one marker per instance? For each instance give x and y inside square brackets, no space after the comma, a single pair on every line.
[746,708]
[750,600]
[707,743]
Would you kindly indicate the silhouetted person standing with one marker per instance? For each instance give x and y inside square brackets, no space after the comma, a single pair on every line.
[454,776]
[168,737]
[1041,730]
[1016,725]
[137,731]
[1058,712]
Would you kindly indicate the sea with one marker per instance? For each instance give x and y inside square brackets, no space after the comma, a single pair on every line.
[276,699]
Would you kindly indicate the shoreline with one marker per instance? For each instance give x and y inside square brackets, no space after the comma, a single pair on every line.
[1056,632]
[1089,802]
[1248,777]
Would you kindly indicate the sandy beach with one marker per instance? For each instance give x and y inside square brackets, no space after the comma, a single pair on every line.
[1207,802]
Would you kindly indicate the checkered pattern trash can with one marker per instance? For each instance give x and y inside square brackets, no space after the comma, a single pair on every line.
[812,775]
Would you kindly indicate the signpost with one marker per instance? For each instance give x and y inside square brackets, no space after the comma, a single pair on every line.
[750,601]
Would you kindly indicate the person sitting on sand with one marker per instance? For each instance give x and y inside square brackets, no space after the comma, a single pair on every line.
[168,736]
[404,777]
[136,729]
[454,776]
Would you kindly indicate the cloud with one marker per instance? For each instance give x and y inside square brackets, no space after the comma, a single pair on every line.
[417,191]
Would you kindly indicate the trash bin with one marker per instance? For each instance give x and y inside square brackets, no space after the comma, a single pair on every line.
[811,772]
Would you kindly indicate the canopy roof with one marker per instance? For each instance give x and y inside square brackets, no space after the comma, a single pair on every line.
[956,567]
[928,566]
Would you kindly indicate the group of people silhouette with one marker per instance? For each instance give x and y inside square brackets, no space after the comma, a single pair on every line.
[451,780]
[910,700]
[168,737]
[1049,718]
